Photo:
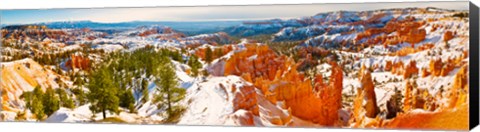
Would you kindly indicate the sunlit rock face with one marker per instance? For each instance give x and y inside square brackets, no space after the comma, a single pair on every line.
[448,35]
[439,68]
[245,98]
[410,70]
[78,62]
[277,78]
[459,90]
[369,90]
[454,116]
[444,120]
[436,67]
[407,30]
[25,75]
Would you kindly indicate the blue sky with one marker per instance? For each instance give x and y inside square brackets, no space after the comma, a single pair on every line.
[205,13]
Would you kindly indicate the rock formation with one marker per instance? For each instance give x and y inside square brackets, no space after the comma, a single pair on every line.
[410,69]
[448,35]
[408,100]
[444,120]
[459,90]
[245,98]
[78,62]
[277,78]
[369,90]
[436,67]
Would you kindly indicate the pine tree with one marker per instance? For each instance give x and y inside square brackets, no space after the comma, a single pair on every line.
[103,94]
[218,52]
[177,56]
[205,73]
[127,100]
[28,98]
[145,92]
[65,101]
[37,105]
[80,96]
[50,102]
[168,88]
[208,55]
[194,64]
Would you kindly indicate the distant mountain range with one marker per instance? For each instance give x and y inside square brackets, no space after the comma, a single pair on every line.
[293,29]
[185,27]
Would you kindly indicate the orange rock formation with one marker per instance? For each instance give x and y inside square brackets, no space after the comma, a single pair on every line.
[448,35]
[408,30]
[78,62]
[245,98]
[277,78]
[410,69]
[369,90]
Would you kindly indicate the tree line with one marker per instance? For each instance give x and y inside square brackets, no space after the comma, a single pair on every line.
[125,76]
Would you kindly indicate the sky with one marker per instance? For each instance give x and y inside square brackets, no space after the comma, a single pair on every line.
[202,13]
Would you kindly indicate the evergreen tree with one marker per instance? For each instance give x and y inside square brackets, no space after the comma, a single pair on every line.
[37,108]
[194,64]
[208,55]
[218,52]
[37,105]
[103,94]
[177,56]
[50,102]
[80,96]
[65,101]
[28,98]
[205,73]
[127,100]
[145,93]
[168,88]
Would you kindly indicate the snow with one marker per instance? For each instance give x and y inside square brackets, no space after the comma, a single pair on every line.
[109,47]
[208,103]
[80,114]
[7,115]
[83,114]
[72,47]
